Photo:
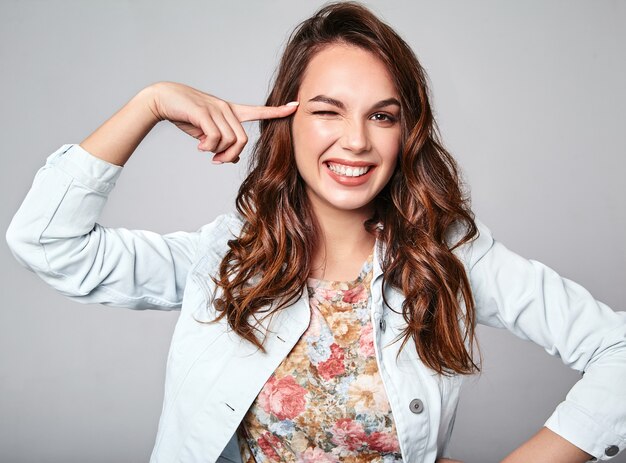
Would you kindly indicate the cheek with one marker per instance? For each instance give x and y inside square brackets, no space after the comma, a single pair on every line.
[313,135]
[323,131]
[390,150]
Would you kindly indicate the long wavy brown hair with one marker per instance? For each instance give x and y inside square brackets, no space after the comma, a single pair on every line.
[267,265]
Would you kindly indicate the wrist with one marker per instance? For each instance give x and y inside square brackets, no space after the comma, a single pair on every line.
[116,139]
[147,99]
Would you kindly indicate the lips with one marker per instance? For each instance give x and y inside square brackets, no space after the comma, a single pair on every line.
[346,168]
[349,173]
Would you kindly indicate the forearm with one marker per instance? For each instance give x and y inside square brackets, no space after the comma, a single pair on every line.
[116,139]
[547,446]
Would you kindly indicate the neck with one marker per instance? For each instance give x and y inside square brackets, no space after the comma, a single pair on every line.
[343,244]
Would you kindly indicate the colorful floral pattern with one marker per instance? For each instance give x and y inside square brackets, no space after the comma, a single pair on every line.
[326,402]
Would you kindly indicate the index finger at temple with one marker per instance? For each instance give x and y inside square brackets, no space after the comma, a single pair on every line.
[253,113]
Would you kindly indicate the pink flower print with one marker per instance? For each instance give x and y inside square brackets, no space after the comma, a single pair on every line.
[316,455]
[269,443]
[334,365]
[383,442]
[366,341]
[327,294]
[284,398]
[348,434]
[356,294]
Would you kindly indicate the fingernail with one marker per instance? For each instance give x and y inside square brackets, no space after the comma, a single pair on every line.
[216,162]
[293,103]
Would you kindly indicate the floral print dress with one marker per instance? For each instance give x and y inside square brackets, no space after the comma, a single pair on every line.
[326,402]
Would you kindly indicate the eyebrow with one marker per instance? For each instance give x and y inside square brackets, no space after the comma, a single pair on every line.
[339,104]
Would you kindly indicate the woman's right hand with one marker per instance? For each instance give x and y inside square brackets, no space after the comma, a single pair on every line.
[216,123]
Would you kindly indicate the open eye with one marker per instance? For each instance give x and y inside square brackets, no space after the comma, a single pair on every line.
[384,118]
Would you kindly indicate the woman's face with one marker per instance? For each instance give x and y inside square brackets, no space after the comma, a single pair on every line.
[346,132]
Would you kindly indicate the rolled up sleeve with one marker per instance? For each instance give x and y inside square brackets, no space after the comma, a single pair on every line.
[55,234]
[535,303]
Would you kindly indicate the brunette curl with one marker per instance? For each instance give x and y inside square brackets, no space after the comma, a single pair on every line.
[267,265]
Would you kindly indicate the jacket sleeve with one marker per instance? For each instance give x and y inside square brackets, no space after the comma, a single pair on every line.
[535,303]
[54,233]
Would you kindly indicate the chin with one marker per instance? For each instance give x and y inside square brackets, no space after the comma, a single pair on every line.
[350,205]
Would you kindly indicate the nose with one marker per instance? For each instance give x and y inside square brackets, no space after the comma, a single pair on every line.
[355,137]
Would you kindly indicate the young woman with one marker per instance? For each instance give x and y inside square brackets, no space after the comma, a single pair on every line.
[331,318]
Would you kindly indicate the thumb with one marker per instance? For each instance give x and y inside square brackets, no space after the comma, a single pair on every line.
[254,113]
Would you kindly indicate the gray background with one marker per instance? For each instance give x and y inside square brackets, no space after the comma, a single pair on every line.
[530,99]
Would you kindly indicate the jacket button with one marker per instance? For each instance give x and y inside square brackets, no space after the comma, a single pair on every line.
[382,324]
[416,406]
[611,450]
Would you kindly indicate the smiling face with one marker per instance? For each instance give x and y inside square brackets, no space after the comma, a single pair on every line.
[346,132]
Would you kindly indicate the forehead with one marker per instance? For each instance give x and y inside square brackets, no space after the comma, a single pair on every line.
[349,72]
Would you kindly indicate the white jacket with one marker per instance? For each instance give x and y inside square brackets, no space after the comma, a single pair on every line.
[213,376]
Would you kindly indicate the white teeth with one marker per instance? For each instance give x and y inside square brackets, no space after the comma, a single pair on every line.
[348,171]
